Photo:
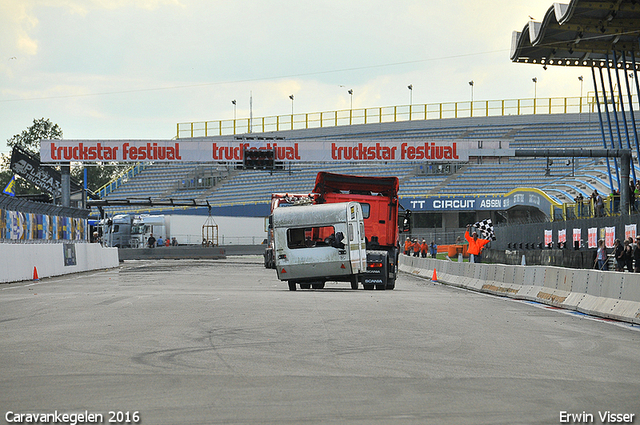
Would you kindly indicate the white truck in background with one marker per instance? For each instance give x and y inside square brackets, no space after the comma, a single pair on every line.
[133,231]
[146,225]
[317,243]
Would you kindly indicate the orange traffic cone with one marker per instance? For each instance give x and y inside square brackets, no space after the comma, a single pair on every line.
[35,273]
[435,276]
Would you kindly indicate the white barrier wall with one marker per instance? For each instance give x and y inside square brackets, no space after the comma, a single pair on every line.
[614,295]
[17,261]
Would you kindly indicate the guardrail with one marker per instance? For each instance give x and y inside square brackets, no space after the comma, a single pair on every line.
[612,295]
[466,109]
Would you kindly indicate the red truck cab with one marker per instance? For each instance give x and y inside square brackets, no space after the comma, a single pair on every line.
[379,199]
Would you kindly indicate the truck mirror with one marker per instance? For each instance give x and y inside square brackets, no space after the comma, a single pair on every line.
[406,223]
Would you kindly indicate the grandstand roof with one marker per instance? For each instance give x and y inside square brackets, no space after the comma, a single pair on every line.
[581,33]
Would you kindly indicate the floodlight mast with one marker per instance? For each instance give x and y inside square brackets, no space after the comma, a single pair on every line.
[623,154]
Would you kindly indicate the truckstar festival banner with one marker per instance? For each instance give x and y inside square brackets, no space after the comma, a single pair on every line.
[209,150]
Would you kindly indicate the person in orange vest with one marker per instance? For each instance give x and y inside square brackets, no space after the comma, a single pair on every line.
[424,248]
[475,244]
[416,248]
[407,246]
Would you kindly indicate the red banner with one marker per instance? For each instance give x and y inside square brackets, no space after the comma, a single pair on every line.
[319,150]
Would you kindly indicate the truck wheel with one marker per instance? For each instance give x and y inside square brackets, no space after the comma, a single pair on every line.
[305,286]
[292,285]
[318,285]
[368,286]
[391,284]
[354,282]
[380,286]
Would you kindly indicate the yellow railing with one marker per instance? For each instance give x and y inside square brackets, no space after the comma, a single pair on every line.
[587,208]
[384,114]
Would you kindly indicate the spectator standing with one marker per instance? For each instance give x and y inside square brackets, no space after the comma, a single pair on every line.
[167,242]
[601,256]
[599,204]
[618,251]
[579,199]
[433,249]
[628,255]
[636,254]
[416,248]
[174,241]
[408,245]
[424,248]
[151,242]
[160,241]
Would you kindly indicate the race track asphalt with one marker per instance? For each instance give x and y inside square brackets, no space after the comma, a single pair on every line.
[225,342]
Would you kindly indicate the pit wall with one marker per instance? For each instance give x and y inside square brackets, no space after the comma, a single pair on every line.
[17,260]
[612,295]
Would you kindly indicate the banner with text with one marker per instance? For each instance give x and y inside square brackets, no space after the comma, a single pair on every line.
[319,150]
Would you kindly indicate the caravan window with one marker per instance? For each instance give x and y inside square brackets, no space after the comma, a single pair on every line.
[309,237]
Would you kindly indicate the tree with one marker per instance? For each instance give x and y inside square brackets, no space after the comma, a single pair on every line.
[28,140]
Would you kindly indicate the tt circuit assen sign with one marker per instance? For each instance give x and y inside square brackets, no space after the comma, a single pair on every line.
[520,197]
[220,150]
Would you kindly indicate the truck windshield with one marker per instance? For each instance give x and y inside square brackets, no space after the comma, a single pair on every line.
[365,209]
[310,237]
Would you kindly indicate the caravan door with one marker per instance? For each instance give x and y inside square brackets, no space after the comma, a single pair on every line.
[356,237]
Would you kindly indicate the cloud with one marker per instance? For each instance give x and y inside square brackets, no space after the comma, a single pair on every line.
[17,22]
[134,68]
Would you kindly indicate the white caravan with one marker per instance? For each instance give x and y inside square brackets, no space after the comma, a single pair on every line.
[316,243]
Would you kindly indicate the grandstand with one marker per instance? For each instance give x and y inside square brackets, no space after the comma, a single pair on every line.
[562,179]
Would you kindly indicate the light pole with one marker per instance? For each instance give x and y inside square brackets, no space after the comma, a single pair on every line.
[535,92]
[291,97]
[410,87]
[471,105]
[351,107]
[581,84]
[234,115]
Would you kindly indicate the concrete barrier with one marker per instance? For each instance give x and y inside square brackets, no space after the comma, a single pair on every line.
[17,261]
[614,295]
[172,252]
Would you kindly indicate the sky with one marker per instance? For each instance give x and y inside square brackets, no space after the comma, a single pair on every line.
[133,69]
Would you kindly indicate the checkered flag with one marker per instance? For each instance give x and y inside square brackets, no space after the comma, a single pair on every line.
[486,228]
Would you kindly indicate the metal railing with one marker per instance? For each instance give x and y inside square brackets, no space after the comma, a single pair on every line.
[588,209]
[384,114]
[120,179]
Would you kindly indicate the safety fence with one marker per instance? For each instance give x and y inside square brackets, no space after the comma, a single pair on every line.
[612,295]
[387,114]
[27,221]
[40,240]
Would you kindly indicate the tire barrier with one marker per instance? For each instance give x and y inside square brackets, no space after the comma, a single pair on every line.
[611,295]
